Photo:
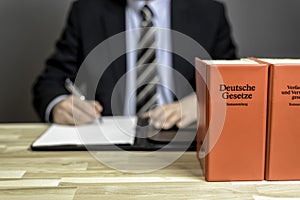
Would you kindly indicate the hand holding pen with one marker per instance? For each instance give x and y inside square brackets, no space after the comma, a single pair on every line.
[75,108]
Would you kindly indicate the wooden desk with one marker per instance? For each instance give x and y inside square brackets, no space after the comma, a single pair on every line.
[77,175]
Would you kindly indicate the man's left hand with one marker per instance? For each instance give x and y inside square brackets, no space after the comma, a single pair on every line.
[181,113]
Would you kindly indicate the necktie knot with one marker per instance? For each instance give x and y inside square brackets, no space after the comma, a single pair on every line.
[147,16]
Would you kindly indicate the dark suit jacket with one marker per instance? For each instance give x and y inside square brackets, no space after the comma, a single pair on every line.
[90,22]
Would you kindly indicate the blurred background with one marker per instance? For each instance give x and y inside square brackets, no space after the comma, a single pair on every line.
[29,29]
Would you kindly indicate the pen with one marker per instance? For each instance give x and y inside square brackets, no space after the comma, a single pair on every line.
[73,89]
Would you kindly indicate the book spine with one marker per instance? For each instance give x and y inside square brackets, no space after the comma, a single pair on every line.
[283,161]
[238,152]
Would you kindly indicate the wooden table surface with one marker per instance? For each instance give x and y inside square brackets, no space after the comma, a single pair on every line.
[25,174]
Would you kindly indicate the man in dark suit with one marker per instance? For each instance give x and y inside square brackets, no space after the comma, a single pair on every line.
[91,22]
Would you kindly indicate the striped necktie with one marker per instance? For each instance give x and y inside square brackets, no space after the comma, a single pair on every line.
[146,66]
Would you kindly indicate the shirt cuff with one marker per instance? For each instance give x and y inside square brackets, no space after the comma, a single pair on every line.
[52,104]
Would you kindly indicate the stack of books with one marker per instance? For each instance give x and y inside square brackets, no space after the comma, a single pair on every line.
[248,123]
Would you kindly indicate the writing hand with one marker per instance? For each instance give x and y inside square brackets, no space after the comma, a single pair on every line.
[84,111]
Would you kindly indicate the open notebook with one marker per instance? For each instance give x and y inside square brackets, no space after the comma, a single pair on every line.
[118,130]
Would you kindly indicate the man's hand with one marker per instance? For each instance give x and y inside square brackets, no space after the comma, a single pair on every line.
[74,108]
[181,113]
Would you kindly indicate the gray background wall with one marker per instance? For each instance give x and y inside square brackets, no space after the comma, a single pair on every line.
[263,28]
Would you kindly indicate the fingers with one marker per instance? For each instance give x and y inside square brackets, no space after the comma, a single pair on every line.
[156,117]
[87,108]
[61,115]
[184,122]
[98,107]
[173,119]
[166,116]
[190,111]
[181,113]
[73,109]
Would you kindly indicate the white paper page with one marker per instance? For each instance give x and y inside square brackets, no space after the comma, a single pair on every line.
[112,130]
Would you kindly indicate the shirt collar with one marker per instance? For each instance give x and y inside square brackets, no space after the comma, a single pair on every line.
[154,5]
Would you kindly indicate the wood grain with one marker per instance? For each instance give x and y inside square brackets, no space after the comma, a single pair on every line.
[25,174]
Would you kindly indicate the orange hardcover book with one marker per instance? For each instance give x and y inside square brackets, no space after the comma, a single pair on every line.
[283,147]
[231,137]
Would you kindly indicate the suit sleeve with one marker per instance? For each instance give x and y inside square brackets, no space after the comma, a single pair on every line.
[64,63]
[224,47]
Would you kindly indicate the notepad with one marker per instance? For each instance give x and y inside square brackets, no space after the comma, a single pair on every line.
[110,131]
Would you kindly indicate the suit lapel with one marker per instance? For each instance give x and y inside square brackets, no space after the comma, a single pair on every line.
[179,16]
[179,12]
[114,20]
[114,23]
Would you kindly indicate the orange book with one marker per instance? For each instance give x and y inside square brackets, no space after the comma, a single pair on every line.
[231,137]
[283,147]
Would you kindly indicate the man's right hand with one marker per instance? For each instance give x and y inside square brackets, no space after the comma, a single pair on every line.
[72,109]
